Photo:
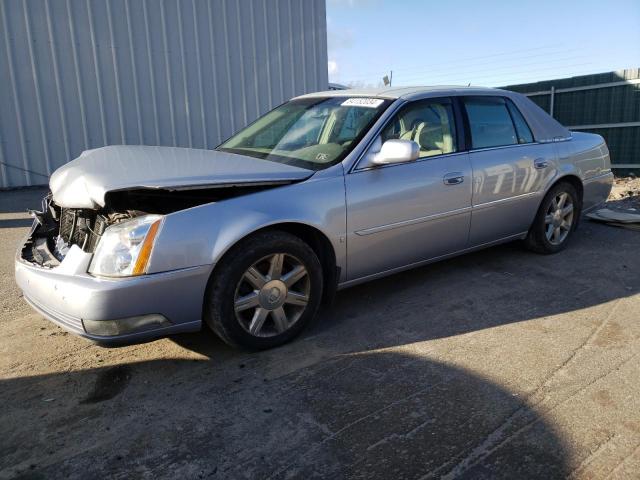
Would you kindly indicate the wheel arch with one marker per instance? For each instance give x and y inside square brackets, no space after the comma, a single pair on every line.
[571,178]
[312,236]
[322,247]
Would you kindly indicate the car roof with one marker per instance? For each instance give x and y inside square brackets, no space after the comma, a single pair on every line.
[544,127]
[406,93]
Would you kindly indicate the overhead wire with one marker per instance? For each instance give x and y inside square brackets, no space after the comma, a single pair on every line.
[474,58]
[475,67]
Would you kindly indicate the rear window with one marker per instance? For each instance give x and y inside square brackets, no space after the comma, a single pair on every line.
[522,129]
[490,122]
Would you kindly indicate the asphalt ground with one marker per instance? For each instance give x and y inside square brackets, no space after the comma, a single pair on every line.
[497,364]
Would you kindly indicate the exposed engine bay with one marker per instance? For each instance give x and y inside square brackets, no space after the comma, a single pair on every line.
[59,228]
[163,200]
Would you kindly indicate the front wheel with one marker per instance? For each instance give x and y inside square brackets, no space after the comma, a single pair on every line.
[555,221]
[264,291]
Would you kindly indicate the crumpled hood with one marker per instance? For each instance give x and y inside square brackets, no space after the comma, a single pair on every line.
[83,182]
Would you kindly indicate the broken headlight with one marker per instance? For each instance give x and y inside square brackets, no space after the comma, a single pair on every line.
[125,247]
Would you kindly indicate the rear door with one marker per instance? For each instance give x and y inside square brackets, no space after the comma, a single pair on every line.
[509,169]
[401,214]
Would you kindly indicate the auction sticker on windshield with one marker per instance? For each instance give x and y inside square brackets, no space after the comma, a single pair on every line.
[362,102]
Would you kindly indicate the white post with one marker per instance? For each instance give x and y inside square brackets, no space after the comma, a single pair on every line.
[551,104]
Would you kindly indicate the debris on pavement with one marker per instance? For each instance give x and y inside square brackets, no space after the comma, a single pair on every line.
[625,193]
[617,218]
[623,206]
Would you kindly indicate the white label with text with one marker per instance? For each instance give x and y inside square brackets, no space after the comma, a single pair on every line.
[362,102]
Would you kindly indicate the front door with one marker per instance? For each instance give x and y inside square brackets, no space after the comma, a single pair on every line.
[402,214]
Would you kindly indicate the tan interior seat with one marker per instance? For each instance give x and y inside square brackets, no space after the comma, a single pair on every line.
[435,138]
[411,133]
[430,129]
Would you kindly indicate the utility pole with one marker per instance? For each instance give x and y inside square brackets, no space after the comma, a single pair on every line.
[391,78]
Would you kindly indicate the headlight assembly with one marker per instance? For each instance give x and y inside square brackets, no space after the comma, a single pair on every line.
[125,248]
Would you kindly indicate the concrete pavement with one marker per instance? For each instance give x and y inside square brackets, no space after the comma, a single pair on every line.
[497,364]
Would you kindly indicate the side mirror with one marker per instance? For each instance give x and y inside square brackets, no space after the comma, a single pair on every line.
[396,151]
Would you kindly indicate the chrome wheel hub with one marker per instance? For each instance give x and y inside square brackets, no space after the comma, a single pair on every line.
[559,218]
[272,295]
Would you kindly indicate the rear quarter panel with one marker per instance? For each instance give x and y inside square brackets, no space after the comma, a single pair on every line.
[586,156]
[586,153]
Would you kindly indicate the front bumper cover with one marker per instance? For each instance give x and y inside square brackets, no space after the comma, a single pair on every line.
[69,296]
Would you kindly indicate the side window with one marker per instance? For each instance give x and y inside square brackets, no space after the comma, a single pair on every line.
[522,129]
[429,123]
[490,122]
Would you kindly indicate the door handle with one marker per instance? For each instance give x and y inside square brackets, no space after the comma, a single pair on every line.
[540,163]
[454,178]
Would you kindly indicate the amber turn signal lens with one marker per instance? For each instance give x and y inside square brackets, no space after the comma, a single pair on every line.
[145,251]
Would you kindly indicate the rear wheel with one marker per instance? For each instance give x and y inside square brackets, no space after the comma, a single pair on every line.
[555,221]
[264,291]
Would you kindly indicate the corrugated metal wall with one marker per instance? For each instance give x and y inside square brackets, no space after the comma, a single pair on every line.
[80,74]
[617,106]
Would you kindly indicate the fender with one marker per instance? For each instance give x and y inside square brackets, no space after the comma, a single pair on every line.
[215,227]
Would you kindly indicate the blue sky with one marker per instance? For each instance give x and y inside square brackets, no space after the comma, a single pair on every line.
[488,42]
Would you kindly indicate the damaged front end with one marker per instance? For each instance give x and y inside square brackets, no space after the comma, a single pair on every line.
[56,229]
[85,270]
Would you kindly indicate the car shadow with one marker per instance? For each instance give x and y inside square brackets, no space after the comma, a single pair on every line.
[15,222]
[374,415]
[630,203]
[18,200]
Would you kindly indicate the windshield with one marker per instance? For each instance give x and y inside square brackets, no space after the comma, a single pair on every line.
[313,133]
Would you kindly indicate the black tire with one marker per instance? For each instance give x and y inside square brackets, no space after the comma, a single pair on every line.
[220,296]
[537,240]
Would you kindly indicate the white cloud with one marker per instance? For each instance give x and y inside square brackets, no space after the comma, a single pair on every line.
[339,38]
[332,66]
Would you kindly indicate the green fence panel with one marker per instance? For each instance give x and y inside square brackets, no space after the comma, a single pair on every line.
[596,106]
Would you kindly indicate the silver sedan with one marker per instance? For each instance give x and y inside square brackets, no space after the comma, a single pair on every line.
[326,191]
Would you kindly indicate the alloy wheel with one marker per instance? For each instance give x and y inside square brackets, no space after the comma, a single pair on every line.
[272,295]
[559,218]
